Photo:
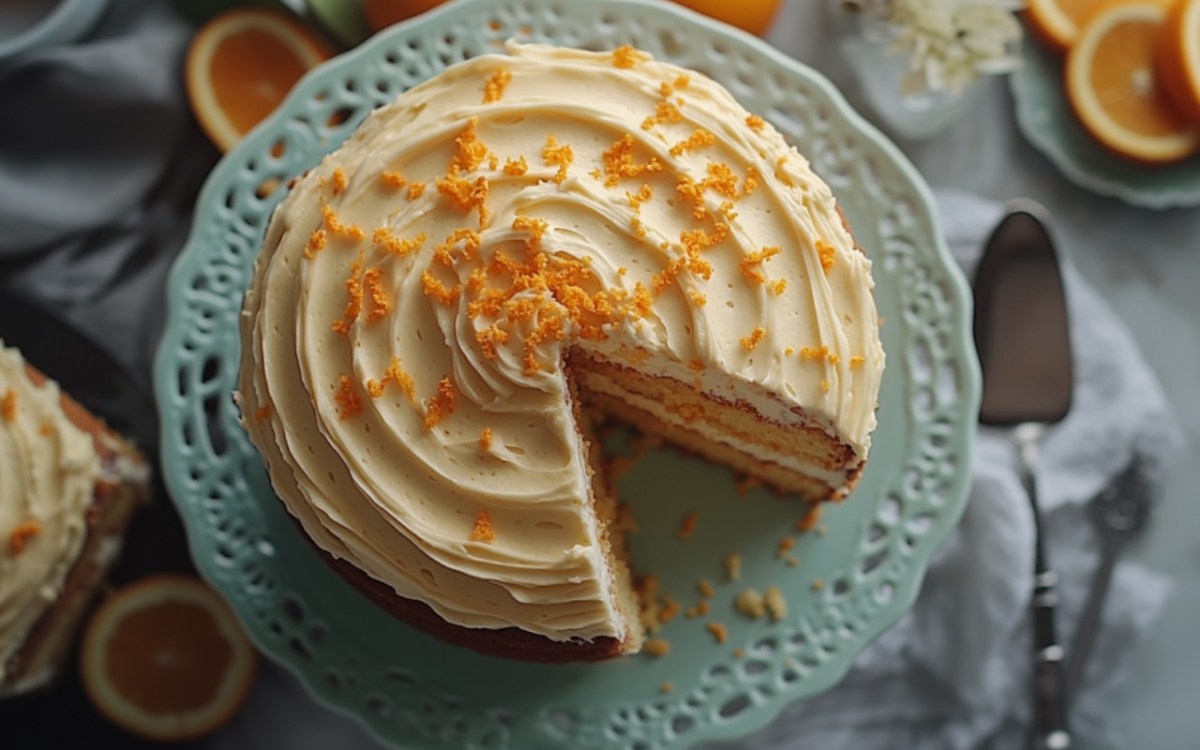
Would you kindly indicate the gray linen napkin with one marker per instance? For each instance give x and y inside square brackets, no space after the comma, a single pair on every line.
[100,162]
[954,672]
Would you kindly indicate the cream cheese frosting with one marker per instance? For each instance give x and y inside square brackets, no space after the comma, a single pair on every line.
[48,472]
[404,333]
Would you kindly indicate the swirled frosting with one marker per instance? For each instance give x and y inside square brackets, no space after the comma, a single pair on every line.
[404,333]
[48,472]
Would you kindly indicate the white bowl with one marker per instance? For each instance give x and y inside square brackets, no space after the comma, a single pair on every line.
[26,25]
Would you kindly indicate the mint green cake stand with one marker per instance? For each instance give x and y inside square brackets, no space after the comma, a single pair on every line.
[869,552]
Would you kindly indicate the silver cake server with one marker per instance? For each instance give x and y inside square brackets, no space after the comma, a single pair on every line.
[1022,335]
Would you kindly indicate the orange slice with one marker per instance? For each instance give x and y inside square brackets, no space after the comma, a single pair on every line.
[1057,22]
[241,65]
[1179,57]
[1114,89]
[754,16]
[383,13]
[166,659]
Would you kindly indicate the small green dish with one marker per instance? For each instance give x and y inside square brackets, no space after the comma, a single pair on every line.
[1045,117]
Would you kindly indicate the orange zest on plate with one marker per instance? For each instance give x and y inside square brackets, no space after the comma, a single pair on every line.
[166,659]
[1113,85]
[240,66]
[1178,63]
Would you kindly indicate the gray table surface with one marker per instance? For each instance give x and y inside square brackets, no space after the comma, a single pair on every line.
[1146,263]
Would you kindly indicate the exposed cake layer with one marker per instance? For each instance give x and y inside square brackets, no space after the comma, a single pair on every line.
[417,292]
[793,452]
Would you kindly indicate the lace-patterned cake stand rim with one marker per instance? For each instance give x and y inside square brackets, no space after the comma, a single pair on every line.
[412,691]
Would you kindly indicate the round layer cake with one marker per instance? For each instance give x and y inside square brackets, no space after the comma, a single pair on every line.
[521,240]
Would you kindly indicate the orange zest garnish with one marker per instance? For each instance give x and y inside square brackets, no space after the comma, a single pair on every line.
[441,405]
[483,531]
[493,91]
[697,140]
[557,156]
[22,534]
[627,56]
[8,405]
[347,399]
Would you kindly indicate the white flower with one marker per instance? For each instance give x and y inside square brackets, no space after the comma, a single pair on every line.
[949,43]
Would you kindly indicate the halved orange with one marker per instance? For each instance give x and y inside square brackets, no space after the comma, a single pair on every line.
[241,65]
[1179,57]
[383,13]
[1115,91]
[166,659]
[1057,22]
[754,16]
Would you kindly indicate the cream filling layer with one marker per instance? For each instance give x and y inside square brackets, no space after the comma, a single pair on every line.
[48,472]
[369,281]
[606,385]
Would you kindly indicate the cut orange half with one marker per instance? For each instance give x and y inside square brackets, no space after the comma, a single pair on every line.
[165,658]
[1057,22]
[1114,89]
[242,64]
[383,13]
[1179,57]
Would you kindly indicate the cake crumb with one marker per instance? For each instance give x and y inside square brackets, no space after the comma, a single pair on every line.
[775,603]
[416,190]
[670,609]
[719,632]
[666,687]
[811,516]
[818,585]
[483,531]
[739,653]
[46,429]
[262,413]
[687,526]
[485,439]
[755,122]
[657,647]
[825,386]
[751,182]
[705,588]
[785,545]
[791,560]
[779,286]
[746,483]
[857,361]
[8,405]
[733,566]
[22,534]
[750,603]
[701,609]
